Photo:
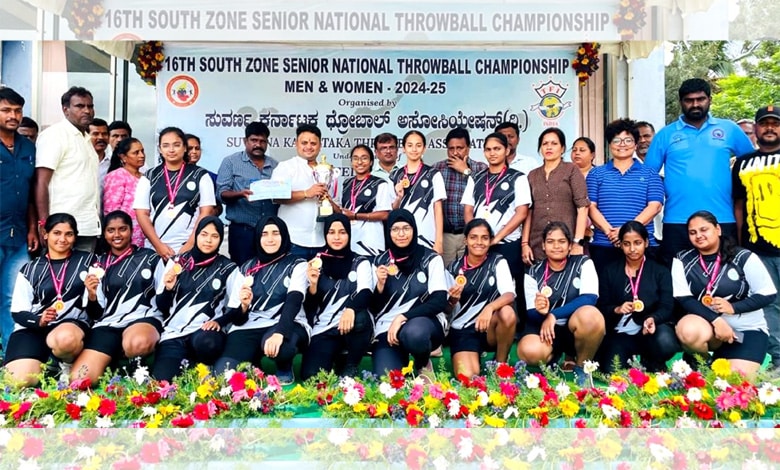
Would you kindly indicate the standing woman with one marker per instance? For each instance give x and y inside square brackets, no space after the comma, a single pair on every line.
[192,300]
[723,289]
[420,190]
[480,302]
[635,297]
[409,300]
[47,304]
[124,173]
[266,304]
[559,193]
[583,152]
[172,197]
[366,200]
[127,324]
[336,303]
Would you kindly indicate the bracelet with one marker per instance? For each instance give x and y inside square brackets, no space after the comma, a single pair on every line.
[524,243]
[305,196]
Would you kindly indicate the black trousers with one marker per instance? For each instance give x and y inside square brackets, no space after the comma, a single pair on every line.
[325,347]
[417,337]
[247,346]
[201,346]
[513,254]
[654,350]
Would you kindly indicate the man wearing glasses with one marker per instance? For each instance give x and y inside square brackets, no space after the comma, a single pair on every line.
[386,151]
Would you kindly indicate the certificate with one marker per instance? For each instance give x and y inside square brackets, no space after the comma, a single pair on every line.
[269,189]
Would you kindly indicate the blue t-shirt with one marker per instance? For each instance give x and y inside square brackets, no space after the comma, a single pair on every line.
[696,163]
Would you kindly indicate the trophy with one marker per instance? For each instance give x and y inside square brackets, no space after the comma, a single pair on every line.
[324,173]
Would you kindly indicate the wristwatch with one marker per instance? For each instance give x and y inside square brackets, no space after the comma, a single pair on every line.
[467,172]
[579,241]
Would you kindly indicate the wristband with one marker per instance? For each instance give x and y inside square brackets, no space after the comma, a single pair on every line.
[524,243]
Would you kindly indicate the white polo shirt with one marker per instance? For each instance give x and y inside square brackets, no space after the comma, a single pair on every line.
[73,188]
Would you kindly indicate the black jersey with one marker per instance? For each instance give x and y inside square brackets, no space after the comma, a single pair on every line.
[127,289]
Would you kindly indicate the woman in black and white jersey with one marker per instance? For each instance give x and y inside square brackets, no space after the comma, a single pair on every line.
[723,290]
[192,298]
[481,296]
[266,304]
[336,304]
[48,304]
[410,298]
[128,323]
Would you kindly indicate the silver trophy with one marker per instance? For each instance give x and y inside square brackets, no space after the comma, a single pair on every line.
[324,173]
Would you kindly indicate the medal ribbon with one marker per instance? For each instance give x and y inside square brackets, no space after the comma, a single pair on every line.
[59,279]
[547,272]
[353,193]
[393,259]
[191,264]
[258,266]
[710,275]
[466,266]
[635,285]
[172,191]
[329,255]
[416,175]
[489,190]
[119,258]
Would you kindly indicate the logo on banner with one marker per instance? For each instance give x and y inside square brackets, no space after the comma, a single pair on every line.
[551,104]
[182,91]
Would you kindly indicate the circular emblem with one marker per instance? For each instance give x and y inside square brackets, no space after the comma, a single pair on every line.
[216,284]
[367,192]
[733,274]
[422,278]
[287,281]
[182,91]
[576,282]
[191,185]
[550,106]
[352,276]
[424,183]
[83,275]
[491,281]
[717,133]
[504,186]
[146,273]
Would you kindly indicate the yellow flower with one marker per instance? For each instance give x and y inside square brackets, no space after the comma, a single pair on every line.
[205,389]
[93,404]
[657,413]
[474,405]
[569,408]
[359,407]
[15,443]
[335,406]
[521,437]
[651,387]
[167,410]
[108,450]
[437,441]
[584,61]
[669,441]
[719,454]
[734,416]
[93,463]
[495,422]
[617,402]
[296,390]
[516,464]
[498,399]
[408,369]
[625,3]
[202,370]
[347,448]
[429,402]
[721,367]
[250,384]
[381,409]
[609,448]
[581,51]
[760,409]
[155,421]
[375,449]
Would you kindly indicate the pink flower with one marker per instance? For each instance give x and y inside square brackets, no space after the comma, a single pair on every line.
[417,393]
[638,377]
[619,385]
[239,395]
[509,390]
[435,391]
[237,381]
[273,382]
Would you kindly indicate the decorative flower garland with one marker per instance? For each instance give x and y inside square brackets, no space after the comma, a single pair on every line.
[84,17]
[148,59]
[587,61]
[630,18]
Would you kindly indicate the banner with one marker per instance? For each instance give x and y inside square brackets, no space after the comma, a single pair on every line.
[353,95]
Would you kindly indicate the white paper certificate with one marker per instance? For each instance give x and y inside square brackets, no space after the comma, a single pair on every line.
[269,189]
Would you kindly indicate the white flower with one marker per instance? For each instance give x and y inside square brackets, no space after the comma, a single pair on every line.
[483,398]
[217,443]
[611,390]
[502,436]
[103,422]
[453,408]
[563,390]
[338,436]
[48,421]
[510,411]
[473,422]
[537,452]
[228,374]
[590,367]
[387,390]
[84,452]
[82,400]
[2,421]
[722,384]
[28,464]
[765,434]
[681,368]
[434,420]
[694,394]
[662,379]
[147,411]
[610,412]
[141,374]
[686,422]
[465,448]
[255,404]
[193,397]
[347,382]
[768,394]
[532,381]
[754,464]
[5,436]
[225,391]
[661,453]
[384,432]
[441,463]
[352,397]
[488,463]
[418,381]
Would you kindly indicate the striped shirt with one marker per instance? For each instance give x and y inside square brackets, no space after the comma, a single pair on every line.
[236,173]
[455,184]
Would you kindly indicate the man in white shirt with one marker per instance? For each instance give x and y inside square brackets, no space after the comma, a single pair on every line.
[522,163]
[67,168]
[300,211]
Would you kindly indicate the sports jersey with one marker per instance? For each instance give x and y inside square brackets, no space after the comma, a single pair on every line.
[370,195]
[426,186]
[338,294]
[484,284]
[508,191]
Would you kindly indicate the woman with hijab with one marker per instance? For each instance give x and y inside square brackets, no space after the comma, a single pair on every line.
[47,304]
[266,304]
[409,300]
[336,304]
[192,301]
[127,324]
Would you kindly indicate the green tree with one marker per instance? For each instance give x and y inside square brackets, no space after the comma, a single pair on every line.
[739,96]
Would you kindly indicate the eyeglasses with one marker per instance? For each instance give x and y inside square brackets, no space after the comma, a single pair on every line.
[388,148]
[362,158]
[625,141]
[404,229]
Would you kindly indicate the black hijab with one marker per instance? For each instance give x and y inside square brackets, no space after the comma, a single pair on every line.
[407,258]
[262,256]
[339,263]
[197,255]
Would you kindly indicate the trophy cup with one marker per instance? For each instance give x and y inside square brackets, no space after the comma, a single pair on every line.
[324,173]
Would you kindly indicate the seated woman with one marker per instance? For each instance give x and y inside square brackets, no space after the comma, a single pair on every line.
[192,300]
[127,324]
[723,290]
[47,304]
[480,302]
[635,297]
[266,304]
[336,304]
[563,290]
[409,300]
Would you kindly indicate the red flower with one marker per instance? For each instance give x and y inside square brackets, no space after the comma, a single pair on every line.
[73,410]
[152,398]
[128,463]
[33,447]
[695,379]
[221,405]
[509,390]
[4,406]
[137,400]
[150,453]
[505,371]
[416,458]
[41,393]
[625,419]
[465,381]
[237,381]
[24,407]
[183,421]
[107,407]
[544,420]
[414,416]
[703,411]
[81,384]
[638,377]
[201,412]
[580,424]
[396,379]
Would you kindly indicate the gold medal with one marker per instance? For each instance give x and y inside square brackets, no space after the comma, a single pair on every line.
[405,182]
[460,280]
[177,268]
[249,281]
[59,306]
[97,271]
[392,269]
[546,291]
[707,300]
[486,213]
[316,263]
[638,305]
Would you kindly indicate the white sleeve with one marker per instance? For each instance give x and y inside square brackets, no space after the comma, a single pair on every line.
[206,188]
[758,278]
[142,194]
[298,280]
[385,197]
[504,282]
[48,149]
[468,193]
[233,288]
[365,276]
[530,288]
[680,286]
[439,191]
[449,280]
[23,295]
[280,173]
[159,274]
[522,192]
[589,279]
[436,276]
